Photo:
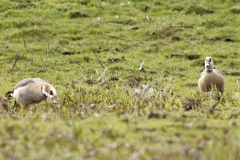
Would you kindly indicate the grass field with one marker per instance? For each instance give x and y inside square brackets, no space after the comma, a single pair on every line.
[90,51]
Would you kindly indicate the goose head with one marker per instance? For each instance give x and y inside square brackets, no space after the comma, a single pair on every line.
[49,91]
[208,64]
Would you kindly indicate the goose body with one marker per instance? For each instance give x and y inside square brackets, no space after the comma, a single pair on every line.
[33,90]
[211,77]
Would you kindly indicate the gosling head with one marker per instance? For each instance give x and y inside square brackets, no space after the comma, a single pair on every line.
[208,64]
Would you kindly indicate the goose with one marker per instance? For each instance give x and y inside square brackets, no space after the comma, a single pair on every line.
[33,90]
[211,77]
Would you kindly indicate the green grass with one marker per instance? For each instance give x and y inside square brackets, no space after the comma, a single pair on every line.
[70,43]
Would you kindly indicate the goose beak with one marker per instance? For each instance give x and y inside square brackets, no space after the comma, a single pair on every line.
[207,66]
[54,99]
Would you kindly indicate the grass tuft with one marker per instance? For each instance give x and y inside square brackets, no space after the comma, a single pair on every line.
[198,10]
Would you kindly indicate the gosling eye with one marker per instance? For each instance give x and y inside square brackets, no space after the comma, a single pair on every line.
[51,92]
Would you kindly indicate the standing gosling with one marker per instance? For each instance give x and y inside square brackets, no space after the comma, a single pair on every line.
[211,77]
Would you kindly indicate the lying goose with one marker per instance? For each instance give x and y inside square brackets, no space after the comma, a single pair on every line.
[211,77]
[33,90]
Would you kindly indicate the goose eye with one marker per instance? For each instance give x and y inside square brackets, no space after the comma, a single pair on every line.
[210,59]
[51,92]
